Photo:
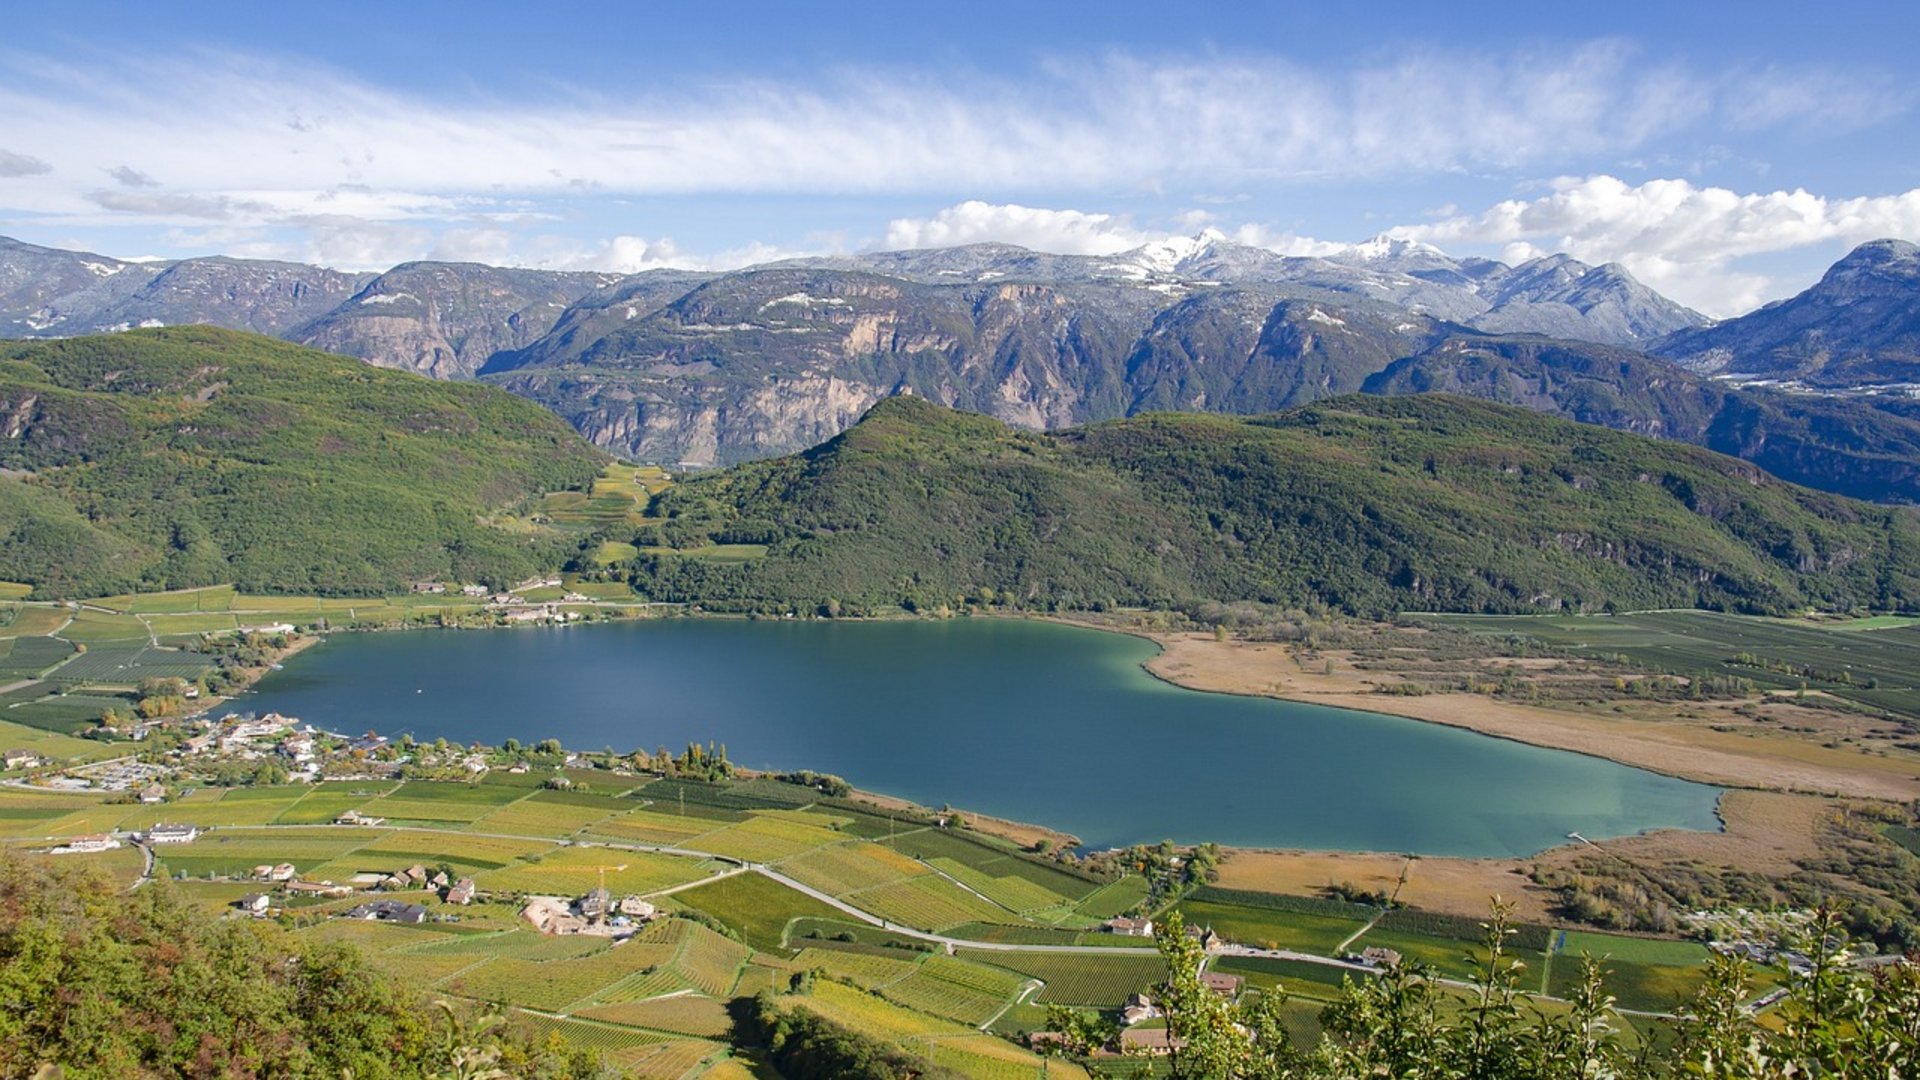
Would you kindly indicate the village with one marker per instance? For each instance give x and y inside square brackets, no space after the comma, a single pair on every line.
[183,755]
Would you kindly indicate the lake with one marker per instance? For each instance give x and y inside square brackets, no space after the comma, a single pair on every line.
[1025,720]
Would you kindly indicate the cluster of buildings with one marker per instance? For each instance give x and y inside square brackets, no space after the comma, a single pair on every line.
[415,878]
[595,913]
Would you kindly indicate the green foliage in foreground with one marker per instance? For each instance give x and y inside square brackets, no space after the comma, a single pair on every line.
[109,984]
[1366,505]
[1834,1022]
[164,459]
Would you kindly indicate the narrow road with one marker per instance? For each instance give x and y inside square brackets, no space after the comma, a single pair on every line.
[146,872]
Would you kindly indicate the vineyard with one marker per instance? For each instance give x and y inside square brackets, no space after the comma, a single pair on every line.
[956,990]
[927,903]
[864,969]
[652,827]
[760,908]
[847,868]
[685,1014]
[1097,980]
[571,871]
[1012,892]
[767,838]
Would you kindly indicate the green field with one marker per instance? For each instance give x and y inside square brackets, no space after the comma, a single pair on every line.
[1649,974]
[758,907]
[1080,979]
[925,903]
[25,657]
[572,871]
[1297,977]
[1270,928]
[1875,662]
[1116,898]
[993,857]
[1451,957]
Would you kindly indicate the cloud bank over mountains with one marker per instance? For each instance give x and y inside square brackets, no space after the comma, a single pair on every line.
[245,156]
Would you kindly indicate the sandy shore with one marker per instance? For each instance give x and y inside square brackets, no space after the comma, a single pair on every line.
[1688,751]
[1765,832]
[1781,789]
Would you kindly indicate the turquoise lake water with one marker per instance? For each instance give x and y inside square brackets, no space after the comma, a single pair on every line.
[1024,720]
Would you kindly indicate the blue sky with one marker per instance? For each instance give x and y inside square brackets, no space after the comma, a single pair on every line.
[1725,153]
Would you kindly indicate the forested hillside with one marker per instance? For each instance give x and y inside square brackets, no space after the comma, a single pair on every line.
[170,458]
[1367,505]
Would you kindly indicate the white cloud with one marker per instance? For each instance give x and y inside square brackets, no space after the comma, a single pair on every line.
[1081,232]
[217,124]
[1062,232]
[1680,239]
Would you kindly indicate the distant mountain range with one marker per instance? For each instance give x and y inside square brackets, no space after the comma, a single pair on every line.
[700,368]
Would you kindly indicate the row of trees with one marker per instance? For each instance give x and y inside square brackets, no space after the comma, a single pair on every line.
[1834,1021]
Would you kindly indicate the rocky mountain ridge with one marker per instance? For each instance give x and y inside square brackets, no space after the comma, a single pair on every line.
[1858,327]
[714,368]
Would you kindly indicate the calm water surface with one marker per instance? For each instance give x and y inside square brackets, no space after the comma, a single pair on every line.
[1030,721]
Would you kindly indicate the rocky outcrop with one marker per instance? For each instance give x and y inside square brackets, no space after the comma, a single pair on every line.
[447,319]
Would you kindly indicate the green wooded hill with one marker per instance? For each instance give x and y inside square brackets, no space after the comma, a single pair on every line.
[1369,505]
[191,456]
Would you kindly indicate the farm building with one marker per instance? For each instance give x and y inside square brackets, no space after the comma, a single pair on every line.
[172,834]
[255,904]
[326,890]
[1227,986]
[20,759]
[390,911]
[1145,1041]
[462,892]
[1129,926]
[82,845]
[1138,1007]
[153,793]
[1380,957]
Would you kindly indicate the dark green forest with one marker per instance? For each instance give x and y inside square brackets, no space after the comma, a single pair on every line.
[1364,505]
[171,458]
